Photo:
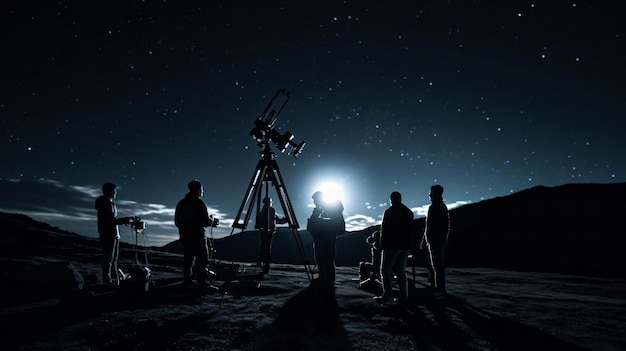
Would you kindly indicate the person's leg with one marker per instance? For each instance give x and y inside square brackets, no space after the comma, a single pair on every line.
[267,237]
[107,260]
[400,271]
[267,250]
[439,267]
[331,253]
[270,236]
[318,250]
[376,259]
[259,260]
[115,257]
[202,260]
[188,258]
[388,259]
[438,270]
[432,274]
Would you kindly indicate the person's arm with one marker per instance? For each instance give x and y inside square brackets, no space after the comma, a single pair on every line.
[122,220]
[316,212]
[207,220]
[280,220]
[386,226]
[177,216]
[424,240]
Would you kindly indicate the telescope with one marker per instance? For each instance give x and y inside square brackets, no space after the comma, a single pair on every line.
[264,132]
[267,173]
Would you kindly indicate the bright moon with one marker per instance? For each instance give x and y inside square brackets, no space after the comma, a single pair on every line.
[332,191]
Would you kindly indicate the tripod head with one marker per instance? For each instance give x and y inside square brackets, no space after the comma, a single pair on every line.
[137,223]
[264,132]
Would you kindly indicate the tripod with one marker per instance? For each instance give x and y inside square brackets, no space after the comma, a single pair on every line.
[139,226]
[266,172]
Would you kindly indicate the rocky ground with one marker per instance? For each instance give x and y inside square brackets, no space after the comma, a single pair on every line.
[487,309]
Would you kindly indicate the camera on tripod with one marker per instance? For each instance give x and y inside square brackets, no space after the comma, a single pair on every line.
[137,223]
[214,221]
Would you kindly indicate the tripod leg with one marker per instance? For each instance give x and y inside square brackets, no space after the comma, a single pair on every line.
[414,275]
[250,196]
[298,240]
[283,196]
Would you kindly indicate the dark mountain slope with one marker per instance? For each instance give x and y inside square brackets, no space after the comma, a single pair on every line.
[575,228]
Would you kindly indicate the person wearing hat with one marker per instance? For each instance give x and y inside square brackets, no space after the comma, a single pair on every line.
[266,221]
[108,232]
[191,219]
[325,224]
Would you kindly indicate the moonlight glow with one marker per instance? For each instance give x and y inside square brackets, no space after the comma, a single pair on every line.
[332,191]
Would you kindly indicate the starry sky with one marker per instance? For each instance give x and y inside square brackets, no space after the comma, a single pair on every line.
[485,98]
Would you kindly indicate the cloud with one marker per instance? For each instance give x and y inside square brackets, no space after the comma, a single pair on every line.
[359,222]
[89,191]
[71,207]
[422,211]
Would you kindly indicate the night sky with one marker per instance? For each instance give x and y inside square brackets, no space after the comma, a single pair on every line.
[485,98]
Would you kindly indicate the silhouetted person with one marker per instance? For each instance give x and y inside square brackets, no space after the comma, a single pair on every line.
[325,224]
[435,239]
[191,217]
[266,221]
[369,272]
[108,232]
[395,241]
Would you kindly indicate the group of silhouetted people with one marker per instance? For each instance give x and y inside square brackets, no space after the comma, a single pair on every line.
[191,219]
[390,246]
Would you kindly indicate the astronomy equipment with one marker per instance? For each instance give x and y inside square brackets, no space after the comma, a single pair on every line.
[214,222]
[137,223]
[264,132]
[139,278]
[267,171]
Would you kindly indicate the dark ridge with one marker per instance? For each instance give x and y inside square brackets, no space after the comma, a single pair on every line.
[573,229]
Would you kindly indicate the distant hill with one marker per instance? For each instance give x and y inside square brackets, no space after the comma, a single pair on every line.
[575,229]
[22,235]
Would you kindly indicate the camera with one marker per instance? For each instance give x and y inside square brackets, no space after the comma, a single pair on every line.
[214,222]
[136,222]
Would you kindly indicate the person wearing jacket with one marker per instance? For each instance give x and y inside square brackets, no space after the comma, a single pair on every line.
[108,232]
[325,224]
[435,239]
[191,218]
[395,241]
[266,221]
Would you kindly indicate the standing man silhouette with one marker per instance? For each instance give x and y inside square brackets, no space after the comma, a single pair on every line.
[435,239]
[108,232]
[325,224]
[395,240]
[191,217]
[266,221]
